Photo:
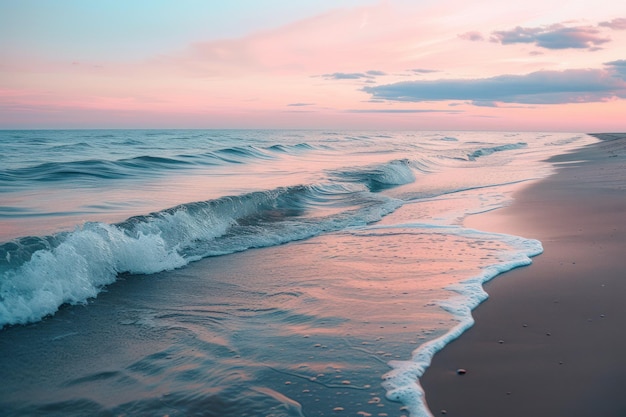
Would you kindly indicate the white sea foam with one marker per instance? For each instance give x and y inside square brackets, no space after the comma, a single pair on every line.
[78,268]
[397,173]
[402,382]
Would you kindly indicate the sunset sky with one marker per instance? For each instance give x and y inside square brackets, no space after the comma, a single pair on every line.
[395,64]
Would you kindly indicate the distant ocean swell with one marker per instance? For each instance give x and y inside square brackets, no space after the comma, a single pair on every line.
[136,166]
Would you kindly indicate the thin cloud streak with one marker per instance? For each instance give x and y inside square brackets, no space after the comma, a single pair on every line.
[403,111]
[473,36]
[368,75]
[423,70]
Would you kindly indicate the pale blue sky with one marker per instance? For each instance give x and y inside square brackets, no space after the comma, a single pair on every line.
[127,29]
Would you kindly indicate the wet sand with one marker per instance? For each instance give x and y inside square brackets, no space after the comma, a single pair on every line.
[550,340]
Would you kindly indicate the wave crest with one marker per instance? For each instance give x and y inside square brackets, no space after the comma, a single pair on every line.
[39,274]
[381,177]
[490,150]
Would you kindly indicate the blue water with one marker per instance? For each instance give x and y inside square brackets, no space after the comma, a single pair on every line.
[82,211]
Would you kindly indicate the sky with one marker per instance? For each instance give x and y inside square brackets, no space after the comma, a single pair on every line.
[537,65]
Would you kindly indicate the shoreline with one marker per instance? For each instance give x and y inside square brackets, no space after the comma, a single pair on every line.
[548,341]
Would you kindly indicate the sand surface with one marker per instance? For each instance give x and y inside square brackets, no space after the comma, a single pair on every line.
[550,340]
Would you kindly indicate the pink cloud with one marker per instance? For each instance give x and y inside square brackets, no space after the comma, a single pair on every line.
[552,37]
[541,87]
[472,36]
[616,24]
[371,37]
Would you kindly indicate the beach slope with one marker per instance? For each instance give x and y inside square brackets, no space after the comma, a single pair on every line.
[549,341]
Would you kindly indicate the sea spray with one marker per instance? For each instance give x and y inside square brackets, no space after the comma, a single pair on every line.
[78,268]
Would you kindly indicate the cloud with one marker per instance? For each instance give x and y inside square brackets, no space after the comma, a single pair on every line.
[311,45]
[618,68]
[423,71]
[345,76]
[300,104]
[552,37]
[615,24]
[368,75]
[402,111]
[473,36]
[542,87]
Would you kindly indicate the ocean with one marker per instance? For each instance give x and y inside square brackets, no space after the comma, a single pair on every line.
[247,272]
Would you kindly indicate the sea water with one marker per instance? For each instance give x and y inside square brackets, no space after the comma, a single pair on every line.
[249,272]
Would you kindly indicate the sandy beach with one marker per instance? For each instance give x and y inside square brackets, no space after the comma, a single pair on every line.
[549,341]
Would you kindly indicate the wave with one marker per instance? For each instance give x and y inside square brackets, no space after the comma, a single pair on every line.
[239,154]
[91,168]
[39,274]
[381,177]
[71,147]
[489,150]
[291,148]
[140,166]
